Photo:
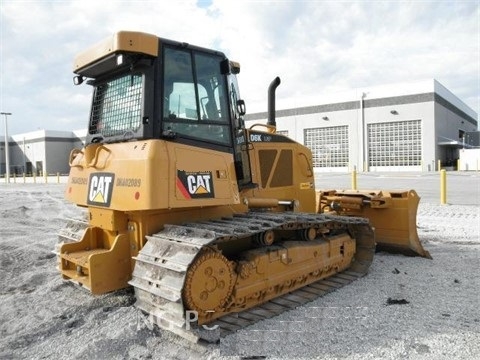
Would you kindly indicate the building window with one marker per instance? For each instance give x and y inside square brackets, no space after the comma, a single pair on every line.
[329,146]
[395,143]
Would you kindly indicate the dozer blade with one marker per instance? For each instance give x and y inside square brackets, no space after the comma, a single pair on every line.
[393,214]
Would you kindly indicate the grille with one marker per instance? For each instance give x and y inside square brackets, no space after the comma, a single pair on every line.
[117,106]
[283,172]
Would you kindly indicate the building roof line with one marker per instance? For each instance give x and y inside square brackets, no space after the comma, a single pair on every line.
[368,103]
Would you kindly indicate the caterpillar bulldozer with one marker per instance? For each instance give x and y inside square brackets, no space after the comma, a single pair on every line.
[214,224]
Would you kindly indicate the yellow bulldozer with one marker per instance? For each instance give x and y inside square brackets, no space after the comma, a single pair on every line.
[215,225]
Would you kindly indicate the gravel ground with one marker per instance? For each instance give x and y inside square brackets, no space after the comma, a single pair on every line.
[405,308]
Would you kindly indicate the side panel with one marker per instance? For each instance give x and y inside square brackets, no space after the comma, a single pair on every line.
[151,175]
[282,169]
[201,177]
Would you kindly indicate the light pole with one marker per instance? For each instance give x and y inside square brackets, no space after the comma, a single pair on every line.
[363,131]
[7,158]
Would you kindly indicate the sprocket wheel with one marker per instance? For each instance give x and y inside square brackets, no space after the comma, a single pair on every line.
[208,283]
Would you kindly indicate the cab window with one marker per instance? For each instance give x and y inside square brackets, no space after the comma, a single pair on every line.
[194,104]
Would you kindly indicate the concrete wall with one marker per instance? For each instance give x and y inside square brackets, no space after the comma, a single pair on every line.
[58,156]
[449,124]
[469,159]
[28,151]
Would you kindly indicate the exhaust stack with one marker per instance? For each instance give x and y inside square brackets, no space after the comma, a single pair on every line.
[271,101]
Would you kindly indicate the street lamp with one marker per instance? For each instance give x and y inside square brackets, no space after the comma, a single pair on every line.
[363,131]
[7,162]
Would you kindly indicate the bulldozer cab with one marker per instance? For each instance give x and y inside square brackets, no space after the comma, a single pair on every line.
[165,90]
[201,103]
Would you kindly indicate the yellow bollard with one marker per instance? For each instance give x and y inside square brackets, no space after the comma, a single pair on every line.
[458,164]
[354,179]
[439,165]
[58,178]
[443,187]
[34,178]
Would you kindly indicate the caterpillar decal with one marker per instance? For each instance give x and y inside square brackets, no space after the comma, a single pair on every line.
[195,185]
[100,188]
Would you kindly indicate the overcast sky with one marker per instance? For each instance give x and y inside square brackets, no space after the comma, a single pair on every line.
[315,46]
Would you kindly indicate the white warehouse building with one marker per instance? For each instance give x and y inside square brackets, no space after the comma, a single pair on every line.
[398,127]
[41,152]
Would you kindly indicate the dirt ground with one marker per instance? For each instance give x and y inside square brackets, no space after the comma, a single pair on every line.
[408,308]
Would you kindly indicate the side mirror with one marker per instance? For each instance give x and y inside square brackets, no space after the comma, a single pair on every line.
[241,109]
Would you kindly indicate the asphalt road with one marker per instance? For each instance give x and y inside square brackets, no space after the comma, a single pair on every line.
[463,188]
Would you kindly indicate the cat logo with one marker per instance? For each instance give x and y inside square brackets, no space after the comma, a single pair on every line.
[100,187]
[195,185]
